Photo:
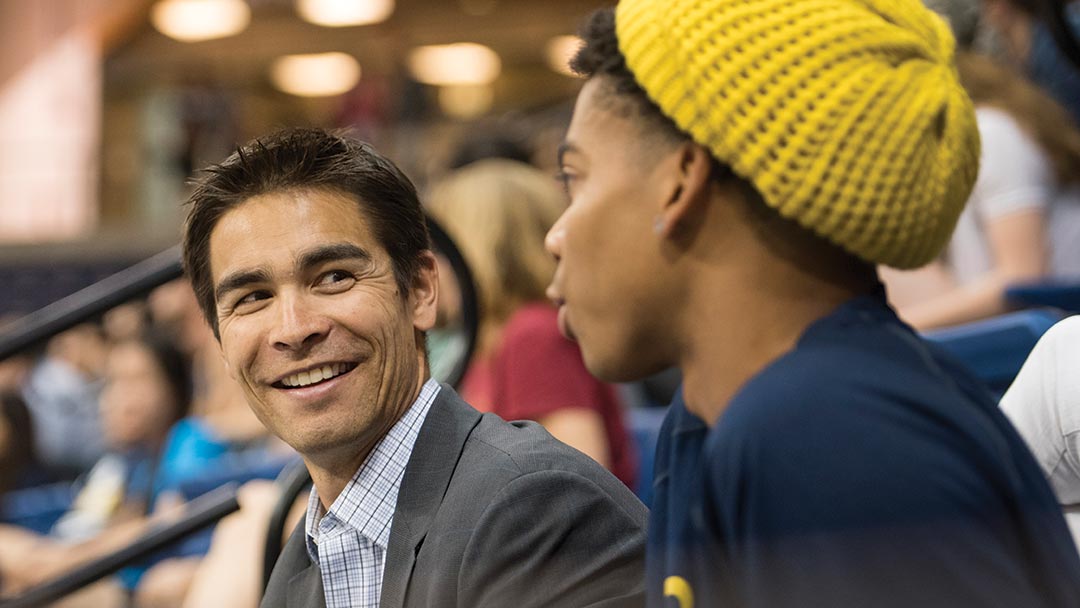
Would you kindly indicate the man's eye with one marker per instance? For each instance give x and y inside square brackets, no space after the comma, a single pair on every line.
[334,277]
[252,298]
[564,178]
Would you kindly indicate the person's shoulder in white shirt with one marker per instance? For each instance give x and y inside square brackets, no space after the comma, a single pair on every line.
[1044,405]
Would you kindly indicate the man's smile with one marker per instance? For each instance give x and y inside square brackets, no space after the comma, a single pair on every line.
[314,375]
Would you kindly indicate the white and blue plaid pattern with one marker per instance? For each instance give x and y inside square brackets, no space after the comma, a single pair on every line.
[349,541]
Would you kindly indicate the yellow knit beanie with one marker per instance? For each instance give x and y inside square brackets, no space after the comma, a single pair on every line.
[846,115]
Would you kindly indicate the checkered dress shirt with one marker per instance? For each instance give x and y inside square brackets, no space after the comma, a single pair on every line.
[348,542]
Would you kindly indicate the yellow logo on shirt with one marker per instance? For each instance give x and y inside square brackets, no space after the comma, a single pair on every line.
[678,588]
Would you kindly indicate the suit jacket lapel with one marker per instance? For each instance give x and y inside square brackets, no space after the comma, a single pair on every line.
[434,458]
[296,582]
[306,589]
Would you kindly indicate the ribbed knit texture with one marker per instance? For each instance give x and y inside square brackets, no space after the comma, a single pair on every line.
[846,115]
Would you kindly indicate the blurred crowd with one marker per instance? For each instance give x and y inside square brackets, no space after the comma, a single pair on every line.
[1020,64]
[111,428]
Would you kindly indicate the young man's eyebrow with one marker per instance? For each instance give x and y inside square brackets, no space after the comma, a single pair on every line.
[564,148]
[239,280]
[331,253]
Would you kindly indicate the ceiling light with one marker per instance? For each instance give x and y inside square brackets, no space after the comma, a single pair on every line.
[559,51]
[194,20]
[466,100]
[317,75]
[454,64]
[338,13]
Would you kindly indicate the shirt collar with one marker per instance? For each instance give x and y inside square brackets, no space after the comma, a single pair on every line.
[367,502]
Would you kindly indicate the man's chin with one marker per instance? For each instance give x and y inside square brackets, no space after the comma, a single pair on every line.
[604,368]
[316,439]
[620,366]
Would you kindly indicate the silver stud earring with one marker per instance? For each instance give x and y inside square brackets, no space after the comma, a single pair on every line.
[659,224]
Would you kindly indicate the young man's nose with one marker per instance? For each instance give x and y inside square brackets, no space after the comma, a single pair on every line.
[553,242]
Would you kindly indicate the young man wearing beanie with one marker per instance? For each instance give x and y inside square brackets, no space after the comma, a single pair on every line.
[736,170]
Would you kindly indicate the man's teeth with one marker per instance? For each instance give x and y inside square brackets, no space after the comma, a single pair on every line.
[312,376]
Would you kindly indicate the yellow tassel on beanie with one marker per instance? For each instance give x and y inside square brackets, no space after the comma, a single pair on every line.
[846,115]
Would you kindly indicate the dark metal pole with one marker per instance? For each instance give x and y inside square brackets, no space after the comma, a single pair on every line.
[201,512]
[94,300]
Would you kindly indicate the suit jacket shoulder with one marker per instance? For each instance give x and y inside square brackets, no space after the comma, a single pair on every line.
[492,513]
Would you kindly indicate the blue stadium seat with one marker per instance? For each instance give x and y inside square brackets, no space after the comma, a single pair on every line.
[37,508]
[996,348]
[645,430]
[1058,294]
[238,471]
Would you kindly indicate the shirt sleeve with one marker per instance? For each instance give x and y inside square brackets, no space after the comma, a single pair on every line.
[584,548]
[1044,404]
[1014,173]
[538,371]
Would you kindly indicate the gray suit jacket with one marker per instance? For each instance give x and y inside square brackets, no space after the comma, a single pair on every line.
[494,514]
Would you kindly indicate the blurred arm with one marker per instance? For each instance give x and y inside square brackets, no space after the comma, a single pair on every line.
[581,429]
[1017,243]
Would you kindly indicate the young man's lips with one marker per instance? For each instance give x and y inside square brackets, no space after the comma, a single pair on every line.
[564,324]
[554,295]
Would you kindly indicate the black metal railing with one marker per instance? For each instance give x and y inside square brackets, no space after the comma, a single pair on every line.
[199,513]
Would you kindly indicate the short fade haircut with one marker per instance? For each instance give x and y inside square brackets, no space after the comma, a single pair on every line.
[300,160]
[600,56]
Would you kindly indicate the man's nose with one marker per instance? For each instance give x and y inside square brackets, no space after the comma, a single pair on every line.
[297,326]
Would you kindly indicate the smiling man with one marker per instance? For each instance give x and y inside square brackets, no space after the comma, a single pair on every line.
[309,255]
[736,170]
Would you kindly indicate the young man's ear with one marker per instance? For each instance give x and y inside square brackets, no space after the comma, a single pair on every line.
[692,166]
[424,292]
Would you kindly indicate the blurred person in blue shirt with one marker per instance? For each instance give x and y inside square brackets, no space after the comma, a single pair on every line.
[1040,36]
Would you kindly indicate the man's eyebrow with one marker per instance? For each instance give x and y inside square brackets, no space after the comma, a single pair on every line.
[309,259]
[331,253]
[239,280]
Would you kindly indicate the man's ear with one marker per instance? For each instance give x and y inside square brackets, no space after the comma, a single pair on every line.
[424,292]
[689,188]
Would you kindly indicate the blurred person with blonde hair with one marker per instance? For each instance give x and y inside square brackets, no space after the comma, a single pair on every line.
[1022,220]
[498,211]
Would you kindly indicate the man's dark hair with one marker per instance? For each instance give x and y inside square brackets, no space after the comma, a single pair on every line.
[306,159]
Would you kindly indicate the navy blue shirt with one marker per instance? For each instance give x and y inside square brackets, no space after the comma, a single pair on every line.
[863,468]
